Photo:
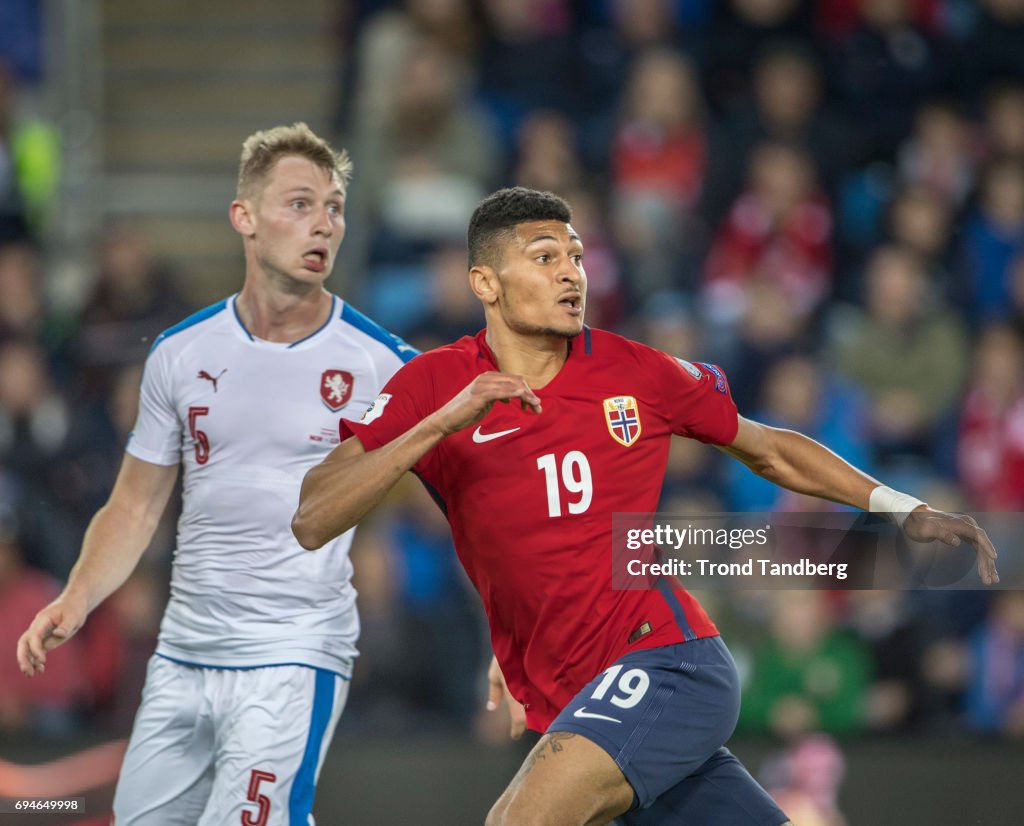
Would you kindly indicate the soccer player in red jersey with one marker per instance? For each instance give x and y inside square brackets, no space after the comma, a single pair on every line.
[635,691]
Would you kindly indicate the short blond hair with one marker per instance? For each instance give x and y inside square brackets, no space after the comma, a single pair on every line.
[263,149]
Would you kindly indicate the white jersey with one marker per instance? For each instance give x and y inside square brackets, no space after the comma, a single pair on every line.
[247,418]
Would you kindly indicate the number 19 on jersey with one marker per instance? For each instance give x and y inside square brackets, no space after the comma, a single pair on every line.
[575,478]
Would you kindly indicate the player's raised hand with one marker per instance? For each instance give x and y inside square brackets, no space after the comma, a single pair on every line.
[475,400]
[53,625]
[497,692]
[927,525]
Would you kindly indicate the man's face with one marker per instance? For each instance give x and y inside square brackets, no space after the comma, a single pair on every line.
[299,221]
[542,283]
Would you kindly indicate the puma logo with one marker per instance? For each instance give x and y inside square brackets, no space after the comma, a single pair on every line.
[212,379]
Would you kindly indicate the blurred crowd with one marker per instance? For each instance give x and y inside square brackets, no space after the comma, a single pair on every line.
[824,198]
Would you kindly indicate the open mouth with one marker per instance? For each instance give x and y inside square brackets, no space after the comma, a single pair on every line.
[573,303]
[316,259]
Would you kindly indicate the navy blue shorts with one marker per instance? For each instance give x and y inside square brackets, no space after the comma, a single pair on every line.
[664,715]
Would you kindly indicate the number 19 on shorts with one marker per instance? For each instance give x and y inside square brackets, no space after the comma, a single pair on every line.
[574,475]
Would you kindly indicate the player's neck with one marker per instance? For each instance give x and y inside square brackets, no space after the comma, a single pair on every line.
[282,317]
[536,358]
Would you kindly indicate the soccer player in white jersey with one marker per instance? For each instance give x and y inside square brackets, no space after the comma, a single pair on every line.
[255,651]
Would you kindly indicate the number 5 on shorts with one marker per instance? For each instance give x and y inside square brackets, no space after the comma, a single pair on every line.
[633,684]
[260,799]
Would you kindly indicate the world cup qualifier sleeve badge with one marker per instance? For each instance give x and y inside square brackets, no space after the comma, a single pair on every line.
[622,415]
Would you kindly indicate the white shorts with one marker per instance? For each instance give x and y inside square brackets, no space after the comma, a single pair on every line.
[212,746]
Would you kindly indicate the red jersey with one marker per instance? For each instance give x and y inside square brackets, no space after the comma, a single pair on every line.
[530,499]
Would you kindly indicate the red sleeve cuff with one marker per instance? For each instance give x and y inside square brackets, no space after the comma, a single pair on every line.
[362,432]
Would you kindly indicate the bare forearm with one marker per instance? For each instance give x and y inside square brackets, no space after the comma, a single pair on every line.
[113,543]
[800,464]
[117,535]
[343,488]
[349,483]
[794,461]
[813,469]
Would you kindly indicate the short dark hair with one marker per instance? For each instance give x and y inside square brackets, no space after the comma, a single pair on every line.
[500,211]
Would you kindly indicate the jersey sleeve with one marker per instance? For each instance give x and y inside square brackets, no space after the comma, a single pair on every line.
[697,399]
[406,399]
[389,360]
[387,351]
[157,434]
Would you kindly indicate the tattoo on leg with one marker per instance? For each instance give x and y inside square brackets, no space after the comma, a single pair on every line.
[554,741]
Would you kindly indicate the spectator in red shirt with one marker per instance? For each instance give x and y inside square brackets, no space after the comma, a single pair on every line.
[779,230]
[658,164]
[990,449]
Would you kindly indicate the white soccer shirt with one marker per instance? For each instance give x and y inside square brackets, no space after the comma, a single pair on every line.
[247,418]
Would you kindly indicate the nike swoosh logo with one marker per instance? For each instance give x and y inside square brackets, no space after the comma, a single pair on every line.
[582,713]
[480,438]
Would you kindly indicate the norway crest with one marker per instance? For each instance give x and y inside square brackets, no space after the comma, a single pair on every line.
[336,388]
[622,415]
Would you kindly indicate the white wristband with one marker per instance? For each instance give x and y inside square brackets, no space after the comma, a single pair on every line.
[892,504]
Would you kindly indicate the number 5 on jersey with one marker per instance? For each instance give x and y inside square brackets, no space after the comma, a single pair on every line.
[200,438]
[575,477]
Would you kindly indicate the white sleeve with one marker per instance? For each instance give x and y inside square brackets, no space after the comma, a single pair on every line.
[157,434]
[388,362]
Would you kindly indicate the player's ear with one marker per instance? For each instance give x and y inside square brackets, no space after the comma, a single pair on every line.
[240,213]
[483,281]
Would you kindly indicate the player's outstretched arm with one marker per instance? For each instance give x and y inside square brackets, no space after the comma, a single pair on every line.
[801,464]
[350,481]
[115,539]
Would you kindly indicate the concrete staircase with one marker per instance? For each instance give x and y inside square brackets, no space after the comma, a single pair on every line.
[184,82]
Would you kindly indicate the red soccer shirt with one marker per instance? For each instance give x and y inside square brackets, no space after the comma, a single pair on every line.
[530,499]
